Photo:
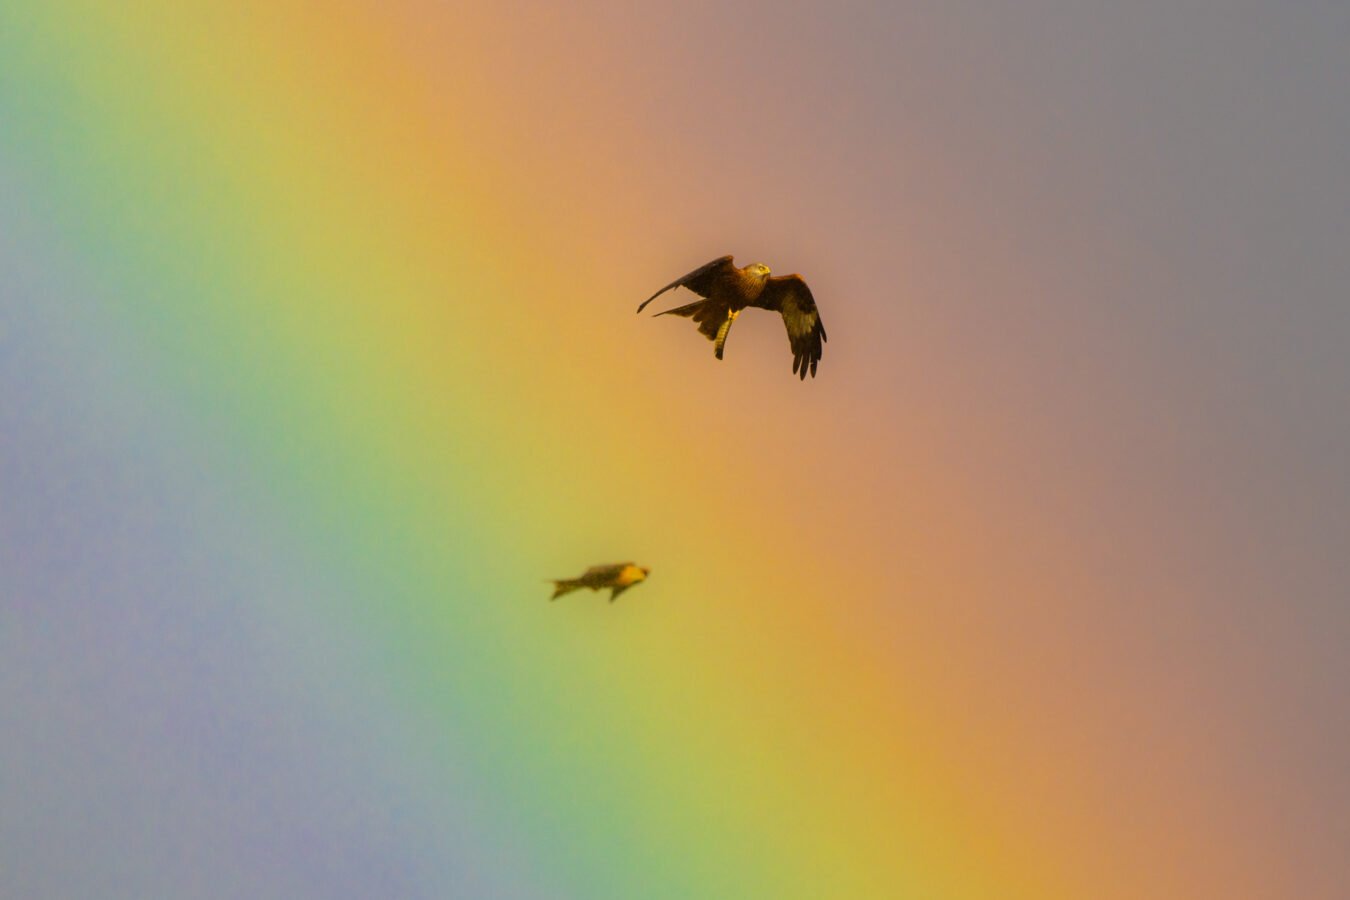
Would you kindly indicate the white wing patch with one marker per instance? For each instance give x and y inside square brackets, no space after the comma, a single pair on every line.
[804,330]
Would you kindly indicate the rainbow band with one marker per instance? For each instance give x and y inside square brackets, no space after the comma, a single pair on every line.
[401,368]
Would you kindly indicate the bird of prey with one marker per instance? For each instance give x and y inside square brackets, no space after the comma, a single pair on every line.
[619,577]
[726,290]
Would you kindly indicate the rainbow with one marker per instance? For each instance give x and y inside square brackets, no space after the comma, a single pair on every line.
[389,325]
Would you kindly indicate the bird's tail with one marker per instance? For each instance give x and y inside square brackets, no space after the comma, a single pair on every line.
[714,320]
[564,586]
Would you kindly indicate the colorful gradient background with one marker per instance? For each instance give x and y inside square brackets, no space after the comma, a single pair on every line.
[318,355]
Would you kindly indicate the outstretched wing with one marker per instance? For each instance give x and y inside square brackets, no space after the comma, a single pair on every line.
[701,281]
[790,297]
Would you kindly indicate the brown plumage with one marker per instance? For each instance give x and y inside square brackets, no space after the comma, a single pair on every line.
[618,577]
[726,290]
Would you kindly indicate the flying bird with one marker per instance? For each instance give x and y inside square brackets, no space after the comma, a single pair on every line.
[619,577]
[726,290]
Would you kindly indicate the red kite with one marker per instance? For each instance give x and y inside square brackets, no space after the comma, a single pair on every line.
[619,577]
[726,290]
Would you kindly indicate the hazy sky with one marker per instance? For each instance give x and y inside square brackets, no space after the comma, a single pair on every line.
[1084,269]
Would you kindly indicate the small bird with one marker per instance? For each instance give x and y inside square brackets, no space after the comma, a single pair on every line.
[726,290]
[617,576]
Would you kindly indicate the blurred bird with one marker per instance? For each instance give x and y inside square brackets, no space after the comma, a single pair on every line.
[726,290]
[617,576]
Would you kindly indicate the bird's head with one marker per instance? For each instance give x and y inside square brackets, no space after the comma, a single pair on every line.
[644,570]
[757,270]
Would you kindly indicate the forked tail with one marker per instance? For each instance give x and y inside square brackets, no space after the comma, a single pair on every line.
[713,317]
[564,586]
